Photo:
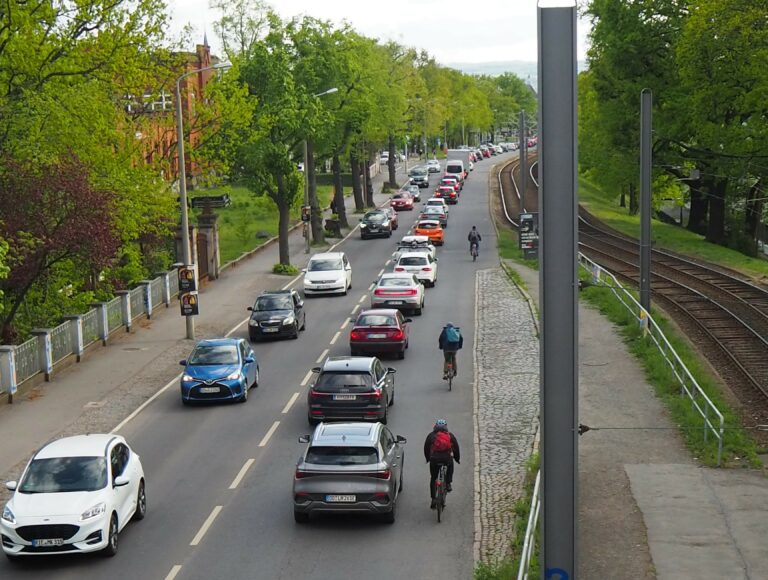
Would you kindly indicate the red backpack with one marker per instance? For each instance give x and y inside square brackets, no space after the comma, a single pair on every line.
[441,443]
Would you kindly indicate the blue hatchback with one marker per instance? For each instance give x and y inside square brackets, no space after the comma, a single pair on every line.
[219,369]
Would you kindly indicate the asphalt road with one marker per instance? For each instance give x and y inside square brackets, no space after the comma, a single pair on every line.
[219,477]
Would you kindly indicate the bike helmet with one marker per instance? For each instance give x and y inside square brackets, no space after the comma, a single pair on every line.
[441,423]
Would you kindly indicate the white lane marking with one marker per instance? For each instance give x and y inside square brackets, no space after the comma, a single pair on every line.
[206,524]
[141,407]
[388,262]
[241,474]
[381,272]
[335,337]
[362,298]
[372,286]
[343,326]
[172,574]
[356,308]
[322,356]
[306,378]
[272,429]
[290,403]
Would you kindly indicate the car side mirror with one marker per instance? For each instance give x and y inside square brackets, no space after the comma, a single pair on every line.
[304,438]
[183,362]
[304,270]
[11,485]
[299,304]
[121,480]
[249,360]
[250,309]
[402,440]
[315,369]
[408,320]
[392,371]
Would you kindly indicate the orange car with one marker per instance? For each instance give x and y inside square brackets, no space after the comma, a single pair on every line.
[430,228]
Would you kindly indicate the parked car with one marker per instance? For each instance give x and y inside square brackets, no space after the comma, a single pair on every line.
[384,157]
[75,495]
[349,468]
[327,273]
[419,176]
[415,244]
[421,265]
[376,223]
[434,213]
[433,166]
[379,332]
[401,201]
[432,229]
[351,388]
[402,291]
[277,313]
[219,369]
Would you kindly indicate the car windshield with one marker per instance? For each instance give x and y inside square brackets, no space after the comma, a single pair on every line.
[416,172]
[265,303]
[209,354]
[454,169]
[332,382]
[375,217]
[399,196]
[412,261]
[342,455]
[376,320]
[425,226]
[326,265]
[395,282]
[65,474]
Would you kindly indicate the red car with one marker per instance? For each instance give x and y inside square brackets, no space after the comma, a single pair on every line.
[392,217]
[379,331]
[452,180]
[402,201]
[448,193]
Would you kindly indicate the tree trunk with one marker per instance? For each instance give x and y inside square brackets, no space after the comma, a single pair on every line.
[623,198]
[284,223]
[634,205]
[391,163]
[338,192]
[716,225]
[697,217]
[357,191]
[368,182]
[318,235]
[754,210]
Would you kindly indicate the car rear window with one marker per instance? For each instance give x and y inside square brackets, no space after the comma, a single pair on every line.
[330,382]
[454,168]
[423,226]
[389,282]
[376,320]
[342,455]
[412,261]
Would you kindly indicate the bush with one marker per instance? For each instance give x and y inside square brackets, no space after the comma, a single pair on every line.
[285,269]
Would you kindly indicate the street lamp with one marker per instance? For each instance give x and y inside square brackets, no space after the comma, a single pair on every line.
[186,252]
[306,175]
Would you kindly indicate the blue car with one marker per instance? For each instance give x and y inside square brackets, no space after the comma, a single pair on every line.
[219,369]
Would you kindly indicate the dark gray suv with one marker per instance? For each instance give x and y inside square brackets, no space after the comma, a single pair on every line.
[349,468]
[351,388]
[277,313]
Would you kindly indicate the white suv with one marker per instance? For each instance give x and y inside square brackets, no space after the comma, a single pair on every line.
[75,495]
[327,273]
[420,264]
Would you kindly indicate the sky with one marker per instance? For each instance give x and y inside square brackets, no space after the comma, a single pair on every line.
[452,31]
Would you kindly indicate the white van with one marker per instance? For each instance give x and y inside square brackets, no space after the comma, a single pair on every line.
[456,167]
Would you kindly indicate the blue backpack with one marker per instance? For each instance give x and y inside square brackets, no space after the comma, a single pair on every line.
[452,335]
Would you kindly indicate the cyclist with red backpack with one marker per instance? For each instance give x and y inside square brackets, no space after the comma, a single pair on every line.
[450,342]
[440,448]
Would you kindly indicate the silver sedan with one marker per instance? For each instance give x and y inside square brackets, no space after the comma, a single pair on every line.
[400,290]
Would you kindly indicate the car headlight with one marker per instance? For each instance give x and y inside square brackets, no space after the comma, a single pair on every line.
[385,223]
[289,320]
[362,225]
[8,515]
[96,510]
[234,376]
[186,378]
[253,322]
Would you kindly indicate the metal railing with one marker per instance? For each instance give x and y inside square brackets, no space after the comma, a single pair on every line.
[114,314]
[27,360]
[713,421]
[138,304]
[61,342]
[529,540]
[156,288]
[90,327]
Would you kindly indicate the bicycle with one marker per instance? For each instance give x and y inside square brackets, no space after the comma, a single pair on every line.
[473,250]
[440,491]
[450,374]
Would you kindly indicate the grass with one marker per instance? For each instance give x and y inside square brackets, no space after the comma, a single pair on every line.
[247,215]
[508,247]
[606,207]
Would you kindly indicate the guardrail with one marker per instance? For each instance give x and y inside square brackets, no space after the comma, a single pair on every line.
[713,421]
[51,346]
[529,540]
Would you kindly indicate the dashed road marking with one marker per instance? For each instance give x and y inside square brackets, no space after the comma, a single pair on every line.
[380,273]
[362,298]
[355,309]
[290,403]
[343,326]
[322,356]
[388,262]
[241,474]
[206,525]
[335,337]
[172,574]
[272,429]
[306,379]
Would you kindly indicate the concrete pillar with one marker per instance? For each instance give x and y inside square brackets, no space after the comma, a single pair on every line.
[166,286]
[101,307]
[8,370]
[76,328]
[147,287]
[208,225]
[125,299]
[45,351]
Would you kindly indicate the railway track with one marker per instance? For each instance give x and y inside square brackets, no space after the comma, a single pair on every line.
[724,314]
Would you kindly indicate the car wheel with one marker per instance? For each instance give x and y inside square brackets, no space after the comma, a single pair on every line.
[392,398]
[111,547]
[402,467]
[389,517]
[312,421]
[141,503]
[417,311]
[185,402]
[244,397]
[300,517]
[389,234]
[304,324]
[295,330]
[253,337]
[401,354]
[352,352]
[386,413]
[255,380]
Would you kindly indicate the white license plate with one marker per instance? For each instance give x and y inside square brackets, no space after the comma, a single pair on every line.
[340,498]
[395,302]
[378,335]
[210,389]
[269,329]
[344,397]
[48,542]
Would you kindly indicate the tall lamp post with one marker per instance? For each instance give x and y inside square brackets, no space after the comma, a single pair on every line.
[186,251]
[306,177]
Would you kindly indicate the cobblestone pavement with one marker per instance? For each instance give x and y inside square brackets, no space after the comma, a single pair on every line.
[506,408]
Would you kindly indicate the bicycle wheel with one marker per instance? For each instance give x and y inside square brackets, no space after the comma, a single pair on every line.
[439,506]
[450,379]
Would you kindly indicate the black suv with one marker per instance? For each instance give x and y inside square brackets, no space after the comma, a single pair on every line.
[277,313]
[419,176]
[374,224]
[351,388]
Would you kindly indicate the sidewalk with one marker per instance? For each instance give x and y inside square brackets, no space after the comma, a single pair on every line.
[111,382]
[646,509]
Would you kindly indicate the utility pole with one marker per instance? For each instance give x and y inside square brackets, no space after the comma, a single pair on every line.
[646,124]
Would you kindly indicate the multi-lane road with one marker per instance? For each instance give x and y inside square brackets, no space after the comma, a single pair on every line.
[219,477]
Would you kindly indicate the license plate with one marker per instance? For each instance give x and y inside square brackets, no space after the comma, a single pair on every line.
[340,498]
[269,329]
[344,397]
[48,542]
[378,335]
[395,302]
[210,389]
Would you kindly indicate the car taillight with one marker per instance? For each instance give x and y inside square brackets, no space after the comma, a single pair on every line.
[398,335]
[398,269]
[411,292]
[314,394]
[355,335]
[301,474]
[386,474]
[424,270]
[375,395]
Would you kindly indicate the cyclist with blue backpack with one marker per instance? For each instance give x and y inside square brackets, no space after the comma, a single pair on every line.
[441,448]
[450,342]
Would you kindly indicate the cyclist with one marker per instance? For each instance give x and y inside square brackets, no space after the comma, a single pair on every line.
[450,341]
[474,238]
[440,448]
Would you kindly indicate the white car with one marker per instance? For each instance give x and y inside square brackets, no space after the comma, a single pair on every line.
[75,495]
[327,273]
[399,290]
[414,244]
[420,264]
[433,166]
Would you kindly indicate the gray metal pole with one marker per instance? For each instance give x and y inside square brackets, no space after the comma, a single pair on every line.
[306,199]
[558,207]
[186,253]
[523,160]
[646,104]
